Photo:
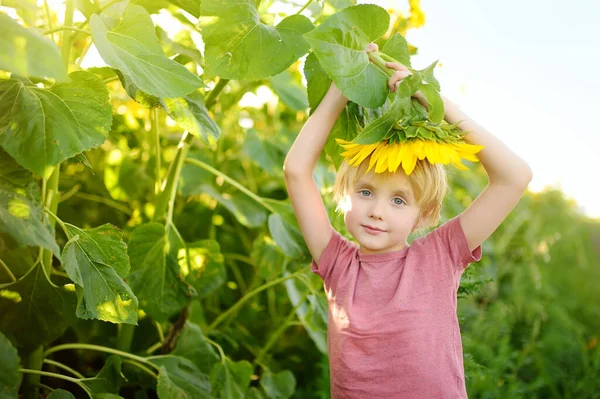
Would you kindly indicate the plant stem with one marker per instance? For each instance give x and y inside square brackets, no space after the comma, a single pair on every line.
[141,367]
[65,28]
[30,383]
[277,333]
[155,135]
[7,270]
[249,295]
[169,190]
[210,341]
[99,349]
[212,97]
[304,7]
[106,201]
[57,220]
[64,367]
[59,376]
[231,181]
[124,337]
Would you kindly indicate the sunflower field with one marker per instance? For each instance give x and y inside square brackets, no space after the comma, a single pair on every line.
[147,245]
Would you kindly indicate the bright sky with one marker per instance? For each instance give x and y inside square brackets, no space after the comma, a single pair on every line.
[527,72]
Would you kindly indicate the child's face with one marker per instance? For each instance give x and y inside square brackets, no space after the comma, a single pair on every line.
[381,213]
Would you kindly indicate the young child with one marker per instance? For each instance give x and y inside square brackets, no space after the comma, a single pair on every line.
[393,330]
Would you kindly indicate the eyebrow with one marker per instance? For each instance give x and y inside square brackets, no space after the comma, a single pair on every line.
[404,193]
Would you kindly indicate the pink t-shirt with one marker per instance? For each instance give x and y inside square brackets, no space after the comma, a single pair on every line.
[393,330]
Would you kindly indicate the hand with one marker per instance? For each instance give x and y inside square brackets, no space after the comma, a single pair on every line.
[371,47]
[400,73]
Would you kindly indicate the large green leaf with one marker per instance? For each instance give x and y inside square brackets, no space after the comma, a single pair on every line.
[10,378]
[130,46]
[96,260]
[346,126]
[60,394]
[280,385]
[296,292]
[191,6]
[240,46]
[206,271]
[191,114]
[268,257]
[264,152]
[340,42]
[42,127]
[192,345]
[22,49]
[287,236]
[397,48]
[231,379]
[289,91]
[21,214]
[179,378]
[108,380]
[155,276]
[33,311]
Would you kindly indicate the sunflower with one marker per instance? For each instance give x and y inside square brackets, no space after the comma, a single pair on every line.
[389,156]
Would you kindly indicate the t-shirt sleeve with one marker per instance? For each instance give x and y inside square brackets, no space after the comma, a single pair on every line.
[339,249]
[452,237]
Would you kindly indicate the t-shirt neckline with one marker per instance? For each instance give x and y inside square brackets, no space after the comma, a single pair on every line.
[383,257]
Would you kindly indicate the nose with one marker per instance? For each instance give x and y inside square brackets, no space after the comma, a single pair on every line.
[376,210]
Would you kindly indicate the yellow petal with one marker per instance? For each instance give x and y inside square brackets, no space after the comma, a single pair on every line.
[382,160]
[408,163]
[380,147]
[394,157]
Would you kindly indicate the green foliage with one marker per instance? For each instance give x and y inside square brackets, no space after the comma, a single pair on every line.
[178,269]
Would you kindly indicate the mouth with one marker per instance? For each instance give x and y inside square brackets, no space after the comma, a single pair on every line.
[372,230]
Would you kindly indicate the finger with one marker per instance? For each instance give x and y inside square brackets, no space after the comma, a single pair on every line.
[397,78]
[396,65]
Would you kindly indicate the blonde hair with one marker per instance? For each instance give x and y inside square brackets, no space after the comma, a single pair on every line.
[428,183]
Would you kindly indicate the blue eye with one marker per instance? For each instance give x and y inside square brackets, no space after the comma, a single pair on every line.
[365,193]
[398,201]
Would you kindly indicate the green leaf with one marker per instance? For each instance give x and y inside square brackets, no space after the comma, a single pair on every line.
[287,236]
[289,91]
[130,46]
[42,127]
[246,210]
[427,75]
[191,114]
[191,6]
[21,50]
[188,112]
[179,378]
[397,48]
[254,393]
[296,291]
[240,46]
[155,277]
[346,127]
[267,257]
[10,378]
[436,104]
[206,269]
[21,214]
[318,81]
[340,42]
[108,380]
[231,379]
[60,394]
[278,386]
[96,260]
[264,152]
[192,345]
[33,311]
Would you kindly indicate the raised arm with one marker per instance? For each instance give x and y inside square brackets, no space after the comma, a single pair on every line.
[508,174]
[298,170]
